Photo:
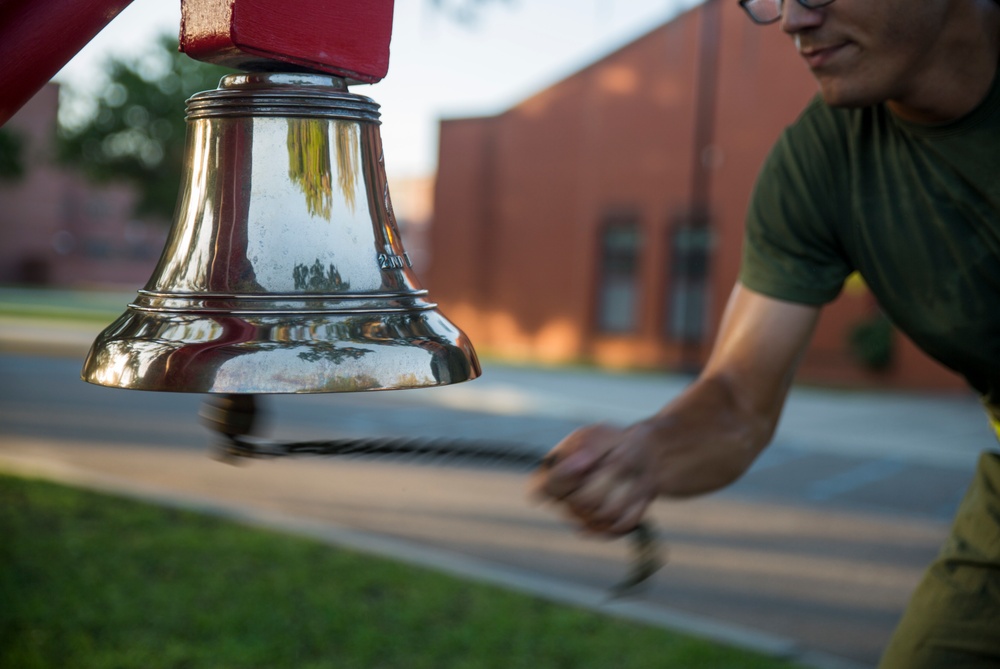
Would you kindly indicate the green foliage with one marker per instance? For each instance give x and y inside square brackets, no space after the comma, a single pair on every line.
[871,342]
[11,155]
[463,11]
[133,128]
[69,306]
[95,582]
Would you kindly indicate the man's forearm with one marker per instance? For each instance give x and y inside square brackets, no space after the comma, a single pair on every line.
[706,438]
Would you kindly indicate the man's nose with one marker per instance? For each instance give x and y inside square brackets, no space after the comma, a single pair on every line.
[796,17]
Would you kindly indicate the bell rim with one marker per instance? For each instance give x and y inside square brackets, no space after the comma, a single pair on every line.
[196,365]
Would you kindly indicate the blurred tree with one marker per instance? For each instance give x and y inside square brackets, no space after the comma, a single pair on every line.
[463,11]
[872,342]
[133,127]
[11,155]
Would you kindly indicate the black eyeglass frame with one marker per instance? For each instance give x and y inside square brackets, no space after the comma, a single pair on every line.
[808,4]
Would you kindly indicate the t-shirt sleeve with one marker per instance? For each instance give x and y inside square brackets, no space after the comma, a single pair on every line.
[792,248]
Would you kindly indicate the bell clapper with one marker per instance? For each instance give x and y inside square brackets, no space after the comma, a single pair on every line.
[231,416]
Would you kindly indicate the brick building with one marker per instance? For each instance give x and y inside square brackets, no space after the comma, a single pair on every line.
[601,219]
[58,229]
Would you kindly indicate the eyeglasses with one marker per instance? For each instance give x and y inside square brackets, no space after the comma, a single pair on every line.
[769,11]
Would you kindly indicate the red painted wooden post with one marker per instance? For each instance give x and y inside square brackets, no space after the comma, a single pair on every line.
[349,38]
[38,37]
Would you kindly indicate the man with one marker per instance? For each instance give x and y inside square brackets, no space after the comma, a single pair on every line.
[893,171]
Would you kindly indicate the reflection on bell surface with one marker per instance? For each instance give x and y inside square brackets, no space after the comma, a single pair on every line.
[284,271]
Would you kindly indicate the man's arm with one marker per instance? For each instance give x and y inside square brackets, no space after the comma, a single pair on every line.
[606,477]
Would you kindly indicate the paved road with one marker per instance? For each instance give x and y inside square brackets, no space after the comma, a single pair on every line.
[815,550]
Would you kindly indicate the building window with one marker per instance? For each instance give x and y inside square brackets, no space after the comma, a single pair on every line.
[98,209]
[618,282]
[97,247]
[687,306]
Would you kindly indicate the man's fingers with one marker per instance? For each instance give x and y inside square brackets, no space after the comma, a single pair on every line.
[559,475]
[592,493]
[570,463]
[615,508]
[629,519]
[592,473]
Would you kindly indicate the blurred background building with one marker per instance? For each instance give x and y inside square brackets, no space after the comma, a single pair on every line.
[56,228]
[601,219]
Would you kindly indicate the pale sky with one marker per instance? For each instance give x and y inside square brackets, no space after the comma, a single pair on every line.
[437,67]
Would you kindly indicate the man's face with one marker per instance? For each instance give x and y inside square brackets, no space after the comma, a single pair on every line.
[863,52]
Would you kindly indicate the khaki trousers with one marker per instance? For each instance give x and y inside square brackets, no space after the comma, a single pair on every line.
[953,619]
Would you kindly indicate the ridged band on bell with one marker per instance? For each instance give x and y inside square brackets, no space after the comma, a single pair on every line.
[284,271]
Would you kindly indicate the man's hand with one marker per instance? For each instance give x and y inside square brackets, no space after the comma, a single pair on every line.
[606,477]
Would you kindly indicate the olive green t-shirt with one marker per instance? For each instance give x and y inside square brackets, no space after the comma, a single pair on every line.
[915,209]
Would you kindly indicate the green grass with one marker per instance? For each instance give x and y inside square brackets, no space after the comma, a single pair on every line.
[94,581]
[63,304]
[61,315]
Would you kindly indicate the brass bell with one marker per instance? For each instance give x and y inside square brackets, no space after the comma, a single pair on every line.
[284,271]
